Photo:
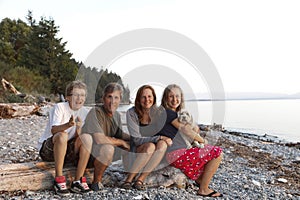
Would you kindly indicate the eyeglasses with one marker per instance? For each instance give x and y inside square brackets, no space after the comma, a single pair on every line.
[78,95]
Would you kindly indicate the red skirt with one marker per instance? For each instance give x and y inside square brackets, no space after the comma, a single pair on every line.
[192,161]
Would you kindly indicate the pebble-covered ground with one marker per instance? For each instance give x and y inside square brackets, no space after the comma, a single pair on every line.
[251,169]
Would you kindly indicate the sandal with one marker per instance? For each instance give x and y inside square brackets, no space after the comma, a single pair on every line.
[139,185]
[126,185]
[210,194]
[196,184]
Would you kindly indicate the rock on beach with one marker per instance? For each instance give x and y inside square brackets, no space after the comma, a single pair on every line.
[250,169]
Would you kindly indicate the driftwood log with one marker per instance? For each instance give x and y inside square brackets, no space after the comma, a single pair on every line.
[17,110]
[7,86]
[11,110]
[39,176]
[29,176]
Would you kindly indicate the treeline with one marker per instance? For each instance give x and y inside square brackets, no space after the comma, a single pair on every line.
[35,60]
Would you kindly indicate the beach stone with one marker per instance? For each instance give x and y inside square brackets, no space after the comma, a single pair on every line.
[282,180]
[256,183]
[297,160]
[246,186]
[270,181]
[138,197]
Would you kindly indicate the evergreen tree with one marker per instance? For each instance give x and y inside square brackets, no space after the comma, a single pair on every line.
[47,55]
[96,80]
[13,38]
[36,61]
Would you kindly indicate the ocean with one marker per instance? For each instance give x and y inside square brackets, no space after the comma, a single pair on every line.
[279,118]
[273,117]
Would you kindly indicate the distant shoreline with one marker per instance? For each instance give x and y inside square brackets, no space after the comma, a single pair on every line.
[264,137]
[245,99]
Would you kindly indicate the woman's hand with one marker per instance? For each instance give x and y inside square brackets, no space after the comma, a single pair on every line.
[188,130]
[167,140]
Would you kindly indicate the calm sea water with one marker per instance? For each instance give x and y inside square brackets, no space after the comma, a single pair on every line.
[274,117]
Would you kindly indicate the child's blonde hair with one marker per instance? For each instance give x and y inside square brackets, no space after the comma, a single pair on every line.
[164,100]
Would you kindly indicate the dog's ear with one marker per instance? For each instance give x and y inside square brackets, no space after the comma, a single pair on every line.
[183,111]
[180,112]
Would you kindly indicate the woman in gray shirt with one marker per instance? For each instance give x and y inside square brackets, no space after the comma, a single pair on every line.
[144,121]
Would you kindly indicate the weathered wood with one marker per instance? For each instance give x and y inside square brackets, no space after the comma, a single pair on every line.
[40,175]
[30,176]
[10,110]
[8,86]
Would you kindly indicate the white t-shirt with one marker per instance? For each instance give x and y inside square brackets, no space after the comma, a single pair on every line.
[60,114]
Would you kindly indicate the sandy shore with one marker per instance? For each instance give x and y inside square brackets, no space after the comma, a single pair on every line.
[251,168]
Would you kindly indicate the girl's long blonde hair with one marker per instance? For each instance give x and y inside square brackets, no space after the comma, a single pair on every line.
[164,100]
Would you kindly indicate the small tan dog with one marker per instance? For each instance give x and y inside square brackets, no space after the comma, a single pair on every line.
[185,117]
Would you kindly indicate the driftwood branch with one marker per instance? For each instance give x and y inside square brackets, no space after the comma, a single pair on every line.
[40,176]
[17,110]
[30,176]
[10,87]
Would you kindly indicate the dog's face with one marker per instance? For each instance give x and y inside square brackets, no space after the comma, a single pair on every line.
[185,117]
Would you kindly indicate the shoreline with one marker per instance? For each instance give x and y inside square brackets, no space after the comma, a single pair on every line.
[249,134]
[247,98]
[266,137]
[253,167]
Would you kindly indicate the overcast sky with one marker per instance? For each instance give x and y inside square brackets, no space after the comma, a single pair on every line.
[254,45]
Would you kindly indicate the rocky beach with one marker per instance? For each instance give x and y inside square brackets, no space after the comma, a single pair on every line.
[252,167]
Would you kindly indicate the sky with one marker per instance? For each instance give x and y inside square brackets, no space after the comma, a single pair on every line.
[254,45]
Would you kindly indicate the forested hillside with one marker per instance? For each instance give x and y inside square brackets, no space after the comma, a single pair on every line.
[35,60]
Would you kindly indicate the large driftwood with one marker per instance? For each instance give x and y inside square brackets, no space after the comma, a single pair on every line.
[29,176]
[11,110]
[10,87]
[17,109]
[39,176]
